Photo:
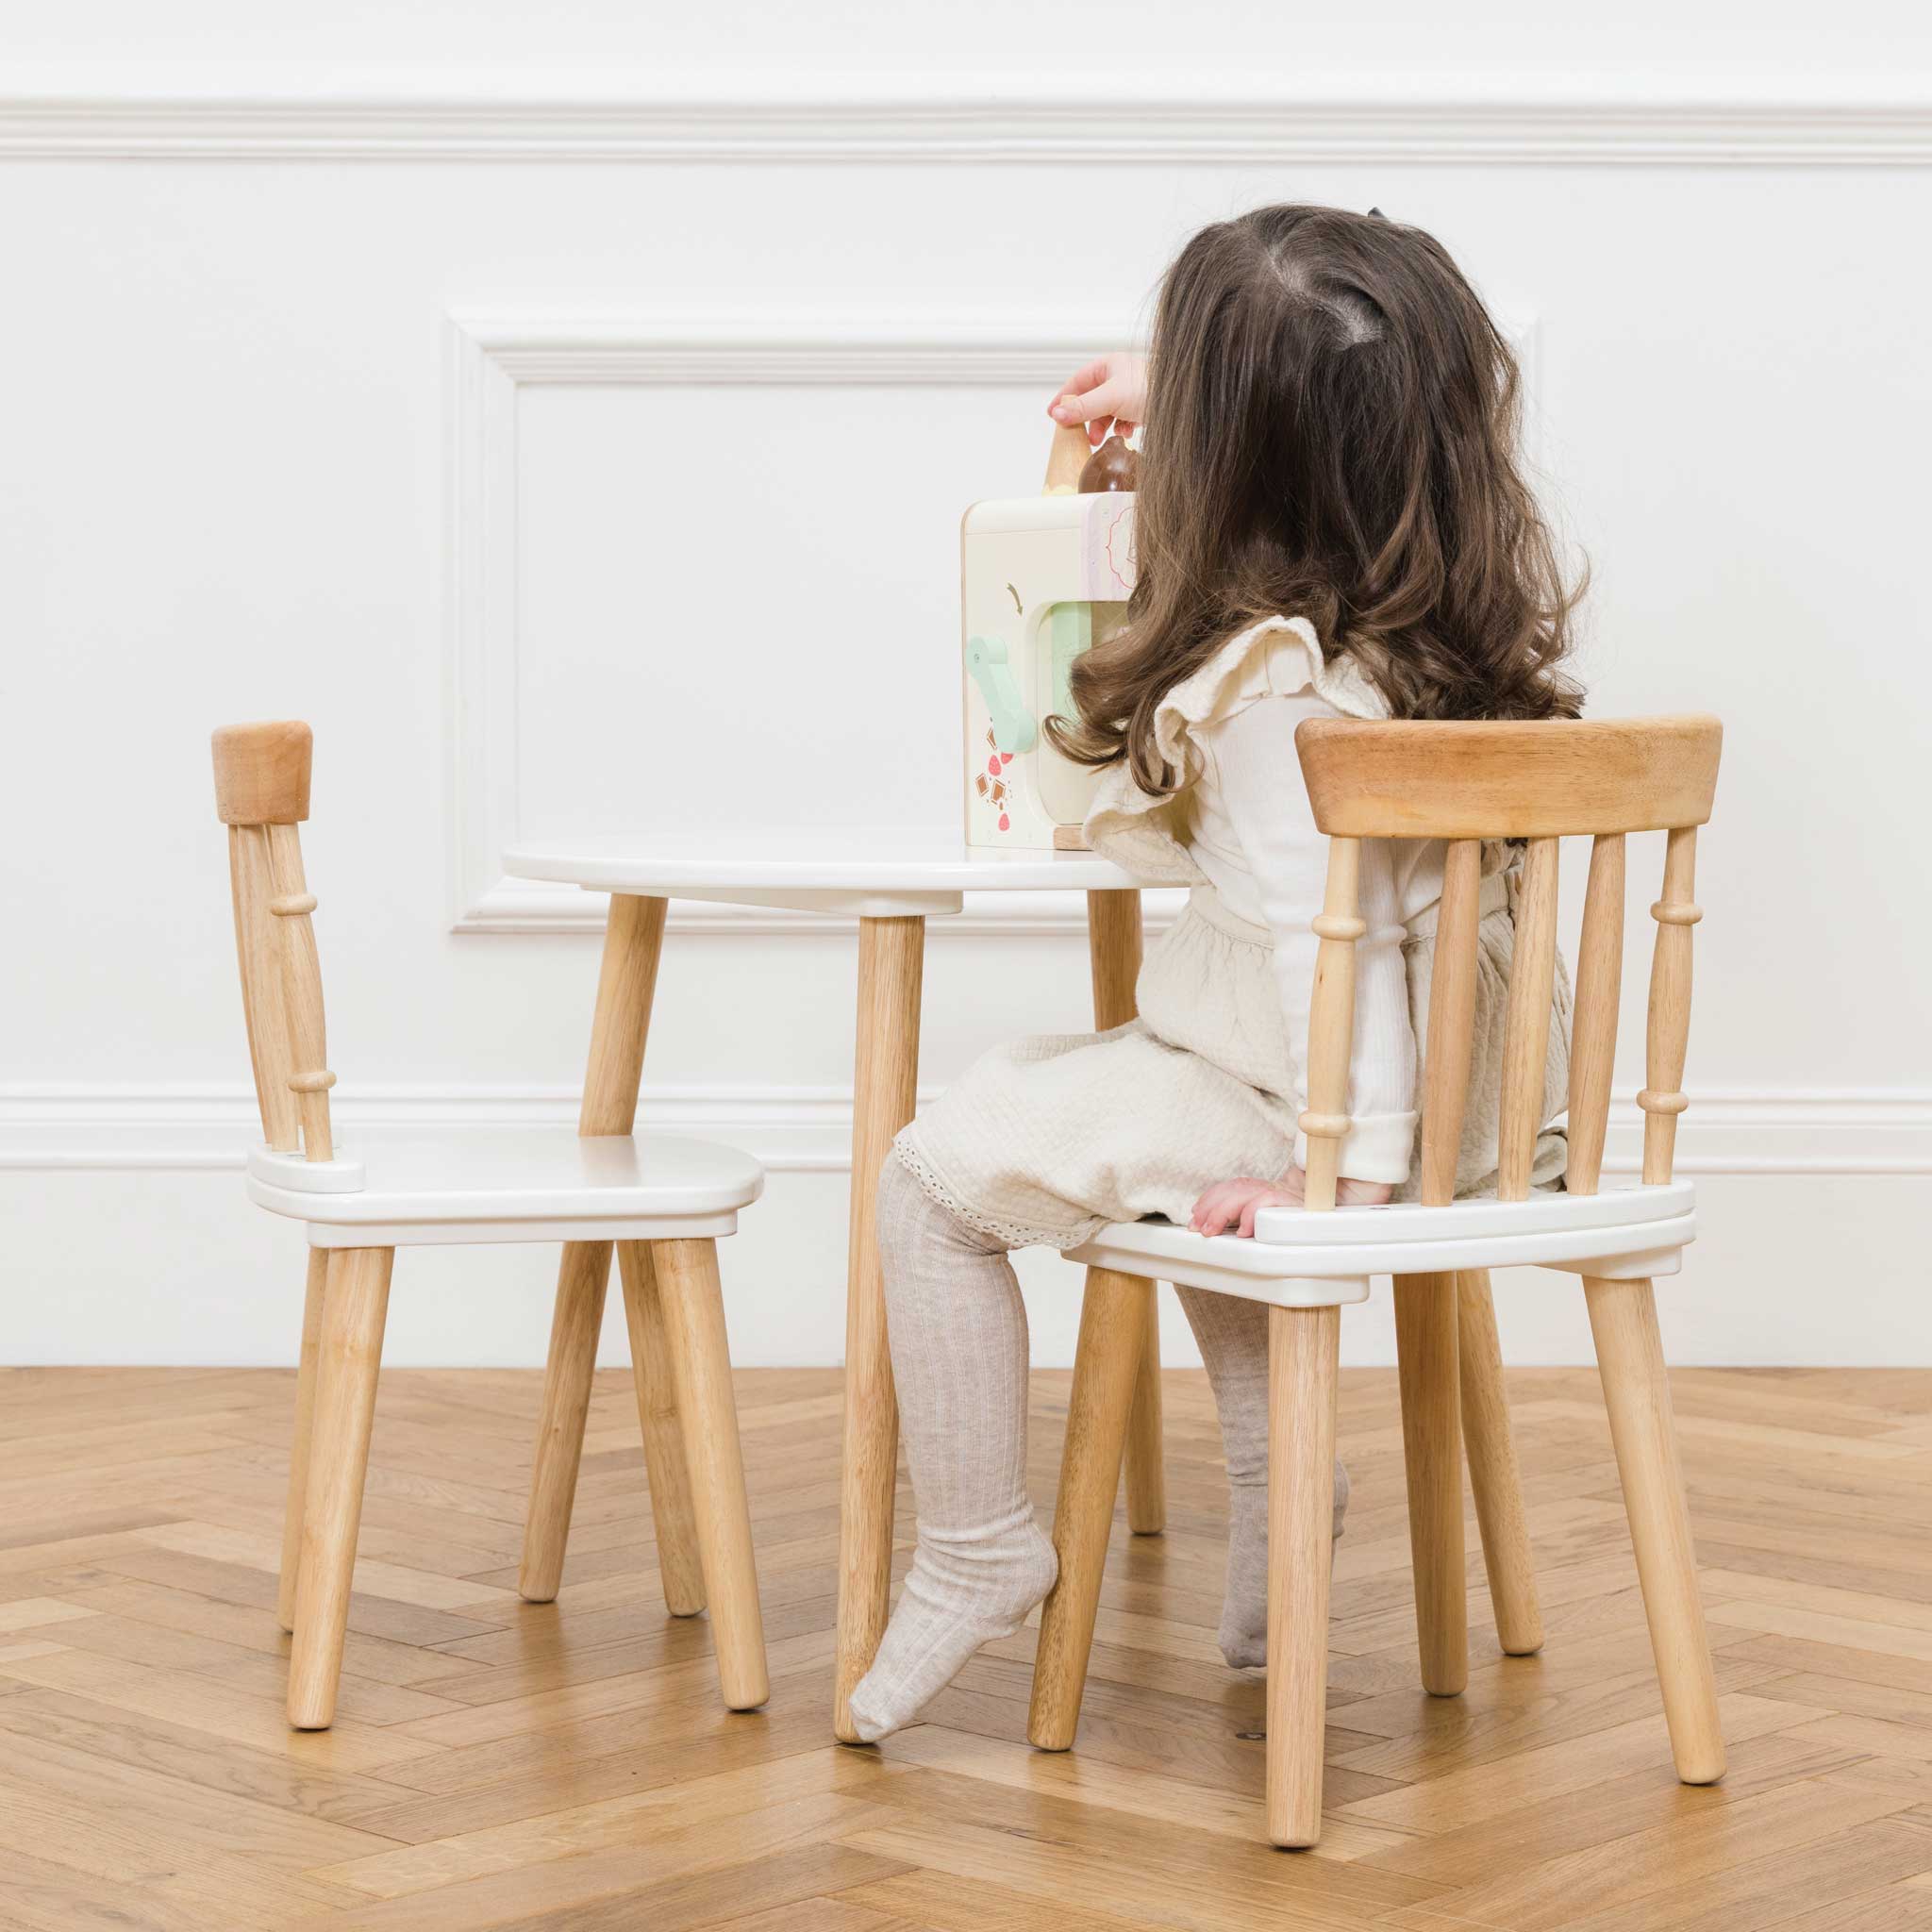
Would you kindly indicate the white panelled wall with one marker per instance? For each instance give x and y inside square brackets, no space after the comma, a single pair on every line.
[569,412]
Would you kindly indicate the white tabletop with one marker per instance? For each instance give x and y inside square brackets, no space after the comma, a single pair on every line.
[872,874]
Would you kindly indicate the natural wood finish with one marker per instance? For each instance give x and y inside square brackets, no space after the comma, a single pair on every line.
[1069,838]
[497,1763]
[576,1320]
[1405,779]
[1331,1022]
[261,772]
[1493,1475]
[314,1300]
[1065,459]
[672,1514]
[693,1306]
[1662,1099]
[627,982]
[258,946]
[891,962]
[355,1308]
[1113,950]
[626,986]
[1630,1359]
[310,1078]
[1303,1353]
[1107,1361]
[1425,1325]
[1593,1033]
[1527,1025]
[1452,1020]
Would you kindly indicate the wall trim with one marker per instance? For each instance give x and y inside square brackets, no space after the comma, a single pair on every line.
[491,358]
[107,1127]
[1452,123]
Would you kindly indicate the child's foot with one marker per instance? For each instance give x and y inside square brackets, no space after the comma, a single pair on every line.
[1244,1634]
[961,1592]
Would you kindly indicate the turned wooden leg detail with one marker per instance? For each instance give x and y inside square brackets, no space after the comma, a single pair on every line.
[1425,1319]
[1493,1472]
[349,1353]
[314,1301]
[694,1310]
[1303,1346]
[891,959]
[1147,1476]
[1637,1393]
[1107,1364]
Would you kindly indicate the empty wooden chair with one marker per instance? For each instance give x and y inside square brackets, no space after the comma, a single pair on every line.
[1463,783]
[663,1202]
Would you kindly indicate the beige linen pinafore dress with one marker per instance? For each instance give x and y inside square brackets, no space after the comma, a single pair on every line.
[1045,1140]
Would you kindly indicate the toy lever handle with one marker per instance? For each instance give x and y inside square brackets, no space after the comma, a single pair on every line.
[1066,459]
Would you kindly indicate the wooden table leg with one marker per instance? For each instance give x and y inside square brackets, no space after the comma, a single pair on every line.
[891,961]
[1113,953]
[633,940]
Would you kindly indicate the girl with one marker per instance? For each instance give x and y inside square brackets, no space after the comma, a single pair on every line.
[1331,522]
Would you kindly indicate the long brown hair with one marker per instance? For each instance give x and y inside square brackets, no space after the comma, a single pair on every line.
[1332,430]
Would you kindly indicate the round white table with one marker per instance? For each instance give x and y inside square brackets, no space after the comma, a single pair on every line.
[891,883]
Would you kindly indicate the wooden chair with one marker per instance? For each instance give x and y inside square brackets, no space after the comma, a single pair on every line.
[662,1201]
[1462,783]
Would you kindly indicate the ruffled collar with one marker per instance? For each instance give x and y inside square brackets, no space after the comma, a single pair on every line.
[1277,657]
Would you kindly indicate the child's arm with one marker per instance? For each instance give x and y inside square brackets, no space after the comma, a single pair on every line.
[1259,778]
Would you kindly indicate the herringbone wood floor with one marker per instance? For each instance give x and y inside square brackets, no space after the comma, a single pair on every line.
[499,1764]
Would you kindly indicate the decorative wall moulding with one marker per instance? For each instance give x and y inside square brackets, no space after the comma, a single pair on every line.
[1545,127]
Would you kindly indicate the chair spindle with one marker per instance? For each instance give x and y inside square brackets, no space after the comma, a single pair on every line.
[1593,1034]
[262,1005]
[1662,1099]
[1452,1020]
[1331,1022]
[302,990]
[1526,1025]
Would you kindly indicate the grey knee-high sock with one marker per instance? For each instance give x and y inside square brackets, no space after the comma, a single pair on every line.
[957,1329]
[1233,1338]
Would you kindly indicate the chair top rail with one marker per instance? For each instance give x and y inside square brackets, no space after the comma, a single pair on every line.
[1543,779]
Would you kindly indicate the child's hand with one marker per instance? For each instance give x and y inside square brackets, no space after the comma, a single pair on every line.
[1235,1203]
[1109,395]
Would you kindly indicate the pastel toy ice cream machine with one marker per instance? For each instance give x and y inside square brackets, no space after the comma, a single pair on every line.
[1042,578]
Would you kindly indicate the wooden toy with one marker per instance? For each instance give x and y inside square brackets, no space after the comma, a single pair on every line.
[1041,579]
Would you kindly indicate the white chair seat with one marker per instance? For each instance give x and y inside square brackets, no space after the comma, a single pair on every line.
[1299,1260]
[509,1184]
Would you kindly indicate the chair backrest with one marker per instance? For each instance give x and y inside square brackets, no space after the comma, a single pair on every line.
[261,796]
[1539,782]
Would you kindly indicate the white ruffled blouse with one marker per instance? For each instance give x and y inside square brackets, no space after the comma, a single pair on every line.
[1241,823]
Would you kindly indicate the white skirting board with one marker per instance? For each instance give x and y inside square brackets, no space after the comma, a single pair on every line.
[128,1240]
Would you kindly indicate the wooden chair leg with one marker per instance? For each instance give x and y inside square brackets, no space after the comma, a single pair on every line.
[1493,1472]
[1303,1346]
[312,1302]
[1432,1450]
[680,1567]
[701,1366]
[581,1281]
[1630,1359]
[354,1309]
[1146,1477]
[891,966]
[1107,1364]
